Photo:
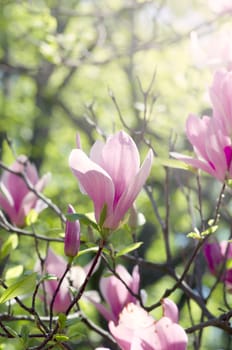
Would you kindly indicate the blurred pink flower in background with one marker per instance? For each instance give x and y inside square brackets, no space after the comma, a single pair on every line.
[213,50]
[72,235]
[220,6]
[221,96]
[136,329]
[111,176]
[56,265]
[116,294]
[217,254]
[15,198]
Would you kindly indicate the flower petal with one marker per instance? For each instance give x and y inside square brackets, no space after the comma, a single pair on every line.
[94,180]
[130,194]
[170,310]
[120,158]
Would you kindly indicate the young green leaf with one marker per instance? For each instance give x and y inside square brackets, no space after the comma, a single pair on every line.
[24,285]
[10,244]
[129,249]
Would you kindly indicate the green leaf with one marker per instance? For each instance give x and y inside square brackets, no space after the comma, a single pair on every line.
[87,250]
[62,320]
[12,331]
[103,215]
[228,264]
[209,230]
[173,163]
[194,235]
[61,337]
[129,249]
[31,217]
[14,272]
[10,244]
[48,277]
[24,285]
[25,331]
[83,219]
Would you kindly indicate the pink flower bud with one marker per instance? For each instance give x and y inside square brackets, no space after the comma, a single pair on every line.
[72,235]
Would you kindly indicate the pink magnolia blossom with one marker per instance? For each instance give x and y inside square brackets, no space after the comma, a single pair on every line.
[111,176]
[216,254]
[116,294]
[212,146]
[221,97]
[55,265]
[72,235]
[15,198]
[203,50]
[136,329]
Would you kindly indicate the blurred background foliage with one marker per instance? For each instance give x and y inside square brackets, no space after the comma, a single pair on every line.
[69,67]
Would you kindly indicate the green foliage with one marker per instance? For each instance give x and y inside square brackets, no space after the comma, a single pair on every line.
[22,286]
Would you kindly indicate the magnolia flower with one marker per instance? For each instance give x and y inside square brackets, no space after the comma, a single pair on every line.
[216,254]
[221,97]
[56,266]
[72,235]
[203,50]
[211,137]
[111,176]
[212,146]
[15,197]
[115,292]
[136,329]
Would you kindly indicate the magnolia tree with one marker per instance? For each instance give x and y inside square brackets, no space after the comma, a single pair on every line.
[91,282]
[112,177]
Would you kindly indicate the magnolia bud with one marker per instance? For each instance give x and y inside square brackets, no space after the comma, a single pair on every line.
[72,235]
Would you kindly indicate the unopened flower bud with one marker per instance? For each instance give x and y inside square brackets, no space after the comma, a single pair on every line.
[72,235]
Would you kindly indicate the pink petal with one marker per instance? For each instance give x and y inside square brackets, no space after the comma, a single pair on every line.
[121,160]
[170,310]
[171,335]
[196,163]
[197,131]
[135,327]
[96,153]
[213,255]
[95,181]
[130,194]
[135,280]
[120,165]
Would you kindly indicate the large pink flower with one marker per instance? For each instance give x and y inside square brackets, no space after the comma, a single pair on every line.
[15,198]
[212,146]
[136,329]
[115,292]
[217,254]
[111,176]
[221,97]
